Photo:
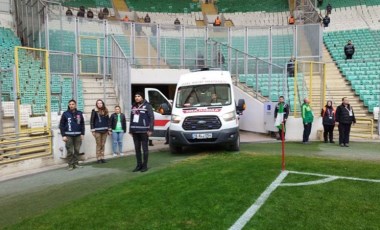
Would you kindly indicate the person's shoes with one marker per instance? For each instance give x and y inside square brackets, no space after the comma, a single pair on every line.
[99,161]
[151,144]
[138,168]
[346,145]
[71,168]
[78,166]
[341,145]
[144,169]
[103,161]
[114,155]
[121,154]
[166,143]
[332,142]
[306,143]
[326,142]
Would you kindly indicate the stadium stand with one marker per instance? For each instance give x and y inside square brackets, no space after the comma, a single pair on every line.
[31,78]
[178,6]
[348,3]
[257,18]
[363,72]
[87,3]
[252,5]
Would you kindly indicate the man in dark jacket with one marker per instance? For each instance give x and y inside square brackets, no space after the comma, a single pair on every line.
[69,12]
[72,131]
[326,21]
[290,67]
[81,12]
[141,127]
[349,50]
[281,113]
[345,117]
[329,8]
[90,14]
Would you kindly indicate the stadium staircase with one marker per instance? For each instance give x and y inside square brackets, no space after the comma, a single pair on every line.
[209,9]
[93,89]
[337,88]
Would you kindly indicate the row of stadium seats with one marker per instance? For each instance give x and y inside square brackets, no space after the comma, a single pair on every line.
[252,5]
[88,3]
[182,6]
[32,79]
[364,76]
[272,86]
[348,3]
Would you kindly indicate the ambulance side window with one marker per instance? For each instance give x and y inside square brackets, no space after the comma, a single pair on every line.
[156,100]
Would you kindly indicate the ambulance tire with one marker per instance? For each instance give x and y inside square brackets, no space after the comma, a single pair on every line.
[236,145]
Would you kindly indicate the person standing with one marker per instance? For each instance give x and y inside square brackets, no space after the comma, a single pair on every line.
[281,113]
[72,130]
[349,50]
[99,128]
[326,21]
[141,127]
[345,117]
[307,118]
[328,121]
[117,126]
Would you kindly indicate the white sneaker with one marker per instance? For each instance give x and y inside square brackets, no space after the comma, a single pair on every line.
[121,154]
[114,155]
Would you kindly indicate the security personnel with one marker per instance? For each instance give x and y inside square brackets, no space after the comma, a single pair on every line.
[141,127]
[217,22]
[326,21]
[345,117]
[72,131]
[291,20]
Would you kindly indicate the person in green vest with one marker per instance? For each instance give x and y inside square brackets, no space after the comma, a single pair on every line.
[118,126]
[307,119]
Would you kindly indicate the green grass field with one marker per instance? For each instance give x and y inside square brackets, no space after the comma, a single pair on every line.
[203,190]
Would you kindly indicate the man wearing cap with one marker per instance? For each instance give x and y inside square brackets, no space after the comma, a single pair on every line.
[349,50]
[141,127]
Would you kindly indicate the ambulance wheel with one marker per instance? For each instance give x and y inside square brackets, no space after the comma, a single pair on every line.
[236,145]
[175,149]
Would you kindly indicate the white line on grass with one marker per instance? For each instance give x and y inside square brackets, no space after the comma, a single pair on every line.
[337,177]
[243,220]
[321,181]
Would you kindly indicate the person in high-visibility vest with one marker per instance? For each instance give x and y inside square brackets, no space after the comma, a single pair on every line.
[126,19]
[291,20]
[217,21]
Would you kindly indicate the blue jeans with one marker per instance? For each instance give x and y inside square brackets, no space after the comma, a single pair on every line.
[117,140]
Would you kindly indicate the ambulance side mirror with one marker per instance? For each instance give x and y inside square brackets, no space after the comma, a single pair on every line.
[240,106]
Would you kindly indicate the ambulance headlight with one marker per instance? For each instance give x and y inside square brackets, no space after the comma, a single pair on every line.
[175,119]
[229,116]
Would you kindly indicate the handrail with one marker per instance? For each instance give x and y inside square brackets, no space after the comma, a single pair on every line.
[371,123]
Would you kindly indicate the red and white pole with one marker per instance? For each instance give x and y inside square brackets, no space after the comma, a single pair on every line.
[283,147]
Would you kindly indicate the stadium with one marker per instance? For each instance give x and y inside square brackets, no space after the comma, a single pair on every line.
[53,51]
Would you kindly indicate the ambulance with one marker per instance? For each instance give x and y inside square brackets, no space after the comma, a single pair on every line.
[204,111]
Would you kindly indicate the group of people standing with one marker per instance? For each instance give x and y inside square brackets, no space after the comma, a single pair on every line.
[102,125]
[343,115]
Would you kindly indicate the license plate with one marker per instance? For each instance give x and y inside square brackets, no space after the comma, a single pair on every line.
[202,135]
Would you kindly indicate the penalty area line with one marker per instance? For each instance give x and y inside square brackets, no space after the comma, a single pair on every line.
[251,211]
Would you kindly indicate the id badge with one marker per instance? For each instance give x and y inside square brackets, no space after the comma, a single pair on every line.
[136,118]
[351,113]
[330,118]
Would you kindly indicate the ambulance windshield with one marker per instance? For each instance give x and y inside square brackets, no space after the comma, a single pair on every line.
[203,95]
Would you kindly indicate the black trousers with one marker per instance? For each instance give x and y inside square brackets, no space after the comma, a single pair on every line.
[344,133]
[328,130]
[141,140]
[349,56]
[306,131]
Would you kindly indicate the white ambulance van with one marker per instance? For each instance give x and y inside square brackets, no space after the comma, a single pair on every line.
[204,111]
